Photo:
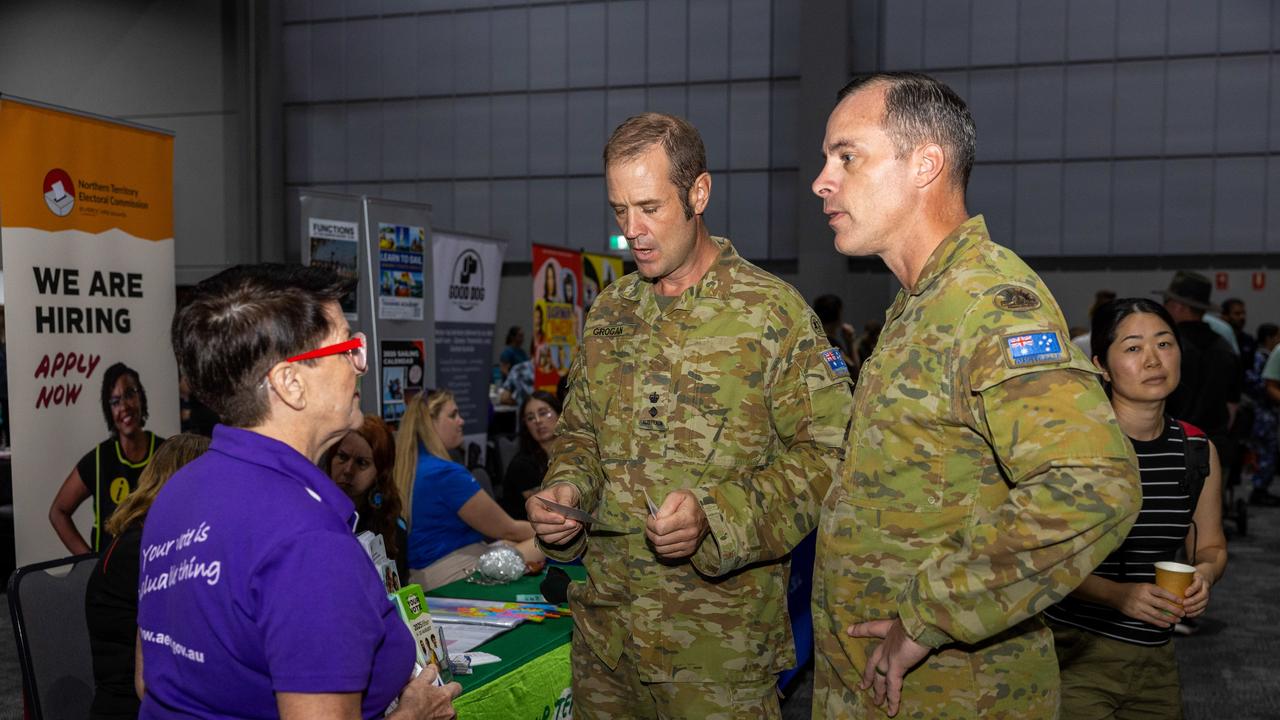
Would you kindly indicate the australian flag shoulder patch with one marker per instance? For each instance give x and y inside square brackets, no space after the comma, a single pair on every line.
[1034,348]
[835,362]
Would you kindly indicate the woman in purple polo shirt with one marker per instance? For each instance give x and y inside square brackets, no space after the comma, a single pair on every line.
[255,599]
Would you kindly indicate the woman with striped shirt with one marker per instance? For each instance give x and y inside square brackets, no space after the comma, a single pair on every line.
[1112,634]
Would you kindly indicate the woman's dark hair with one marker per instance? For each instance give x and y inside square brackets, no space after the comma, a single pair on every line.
[1266,331]
[512,332]
[1107,319]
[382,446]
[242,321]
[527,443]
[109,380]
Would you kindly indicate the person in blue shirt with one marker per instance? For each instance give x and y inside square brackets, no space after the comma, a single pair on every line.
[513,354]
[450,517]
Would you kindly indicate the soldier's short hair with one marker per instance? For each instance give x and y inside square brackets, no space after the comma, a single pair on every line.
[239,323]
[919,109]
[678,137]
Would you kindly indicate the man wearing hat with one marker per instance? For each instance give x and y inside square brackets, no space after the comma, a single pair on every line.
[1210,387]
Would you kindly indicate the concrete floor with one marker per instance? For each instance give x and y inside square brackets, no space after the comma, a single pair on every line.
[1228,669]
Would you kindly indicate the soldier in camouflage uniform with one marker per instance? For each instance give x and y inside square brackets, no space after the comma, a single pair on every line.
[985,475]
[704,383]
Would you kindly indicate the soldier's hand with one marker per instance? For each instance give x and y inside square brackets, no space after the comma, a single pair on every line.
[551,527]
[679,526]
[890,662]
[1148,603]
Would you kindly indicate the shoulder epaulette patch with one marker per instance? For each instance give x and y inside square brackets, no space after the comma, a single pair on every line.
[1012,297]
[816,325]
[1037,348]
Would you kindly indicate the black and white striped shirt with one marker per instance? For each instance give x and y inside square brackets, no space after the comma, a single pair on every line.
[1161,528]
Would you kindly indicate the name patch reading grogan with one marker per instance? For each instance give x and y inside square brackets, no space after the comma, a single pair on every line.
[612,331]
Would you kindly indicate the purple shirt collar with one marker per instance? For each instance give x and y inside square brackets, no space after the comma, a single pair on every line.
[256,449]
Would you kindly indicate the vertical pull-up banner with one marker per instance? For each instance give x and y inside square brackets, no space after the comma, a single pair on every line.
[557,313]
[467,277]
[598,273]
[86,228]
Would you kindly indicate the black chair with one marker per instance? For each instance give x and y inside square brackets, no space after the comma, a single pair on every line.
[46,604]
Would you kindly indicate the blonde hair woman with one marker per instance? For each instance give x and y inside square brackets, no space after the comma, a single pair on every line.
[450,517]
[111,598]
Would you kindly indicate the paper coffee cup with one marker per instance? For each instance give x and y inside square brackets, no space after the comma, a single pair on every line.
[1174,577]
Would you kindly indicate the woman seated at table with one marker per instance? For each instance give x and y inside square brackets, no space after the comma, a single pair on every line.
[524,473]
[449,515]
[111,597]
[361,465]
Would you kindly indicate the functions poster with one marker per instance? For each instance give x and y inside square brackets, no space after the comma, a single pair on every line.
[333,245]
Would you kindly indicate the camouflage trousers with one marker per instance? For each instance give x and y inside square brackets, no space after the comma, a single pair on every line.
[1106,678]
[1016,678]
[603,694]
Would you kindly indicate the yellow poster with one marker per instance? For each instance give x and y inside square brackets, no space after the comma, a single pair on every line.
[86,225]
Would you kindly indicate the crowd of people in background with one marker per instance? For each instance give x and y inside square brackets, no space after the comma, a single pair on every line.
[1067,457]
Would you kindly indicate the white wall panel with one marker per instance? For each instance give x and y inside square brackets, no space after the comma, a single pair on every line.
[546,211]
[1042,33]
[1188,206]
[709,52]
[1040,112]
[547,138]
[548,47]
[509,49]
[436,48]
[362,59]
[587,128]
[510,135]
[1090,113]
[296,49]
[1141,28]
[1193,26]
[400,65]
[1245,25]
[625,44]
[946,33]
[749,31]
[991,102]
[586,228]
[1086,209]
[748,215]
[586,45]
[1189,107]
[400,140]
[363,128]
[1091,29]
[1239,204]
[1241,118]
[471,139]
[709,112]
[1139,108]
[1038,198]
[471,203]
[903,37]
[509,213]
[1136,191]
[327,62]
[994,32]
[436,138]
[668,34]
[471,71]
[749,126]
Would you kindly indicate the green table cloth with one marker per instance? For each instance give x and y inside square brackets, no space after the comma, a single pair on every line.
[532,681]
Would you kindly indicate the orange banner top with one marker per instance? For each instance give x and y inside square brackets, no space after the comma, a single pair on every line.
[65,171]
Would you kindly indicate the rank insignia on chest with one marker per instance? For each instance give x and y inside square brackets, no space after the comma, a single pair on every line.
[1014,298]
[835,361]
[1038,348]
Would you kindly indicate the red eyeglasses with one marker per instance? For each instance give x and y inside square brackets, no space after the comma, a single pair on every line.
[356,350]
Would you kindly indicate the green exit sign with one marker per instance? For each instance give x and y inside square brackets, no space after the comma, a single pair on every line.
[617,243]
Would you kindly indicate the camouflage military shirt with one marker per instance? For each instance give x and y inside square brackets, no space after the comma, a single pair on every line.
[731,393]
[986,477]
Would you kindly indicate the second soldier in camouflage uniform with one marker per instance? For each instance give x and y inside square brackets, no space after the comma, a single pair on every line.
[986,475]
[703,382]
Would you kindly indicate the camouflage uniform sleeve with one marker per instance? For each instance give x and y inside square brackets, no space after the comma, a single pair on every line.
[576,459]
[1071,482]
[765,514]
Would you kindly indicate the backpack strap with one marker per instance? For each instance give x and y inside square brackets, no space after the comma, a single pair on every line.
[1196,456]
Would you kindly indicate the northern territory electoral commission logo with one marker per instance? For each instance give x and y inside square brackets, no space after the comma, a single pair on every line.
[466,282]
[59,192]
